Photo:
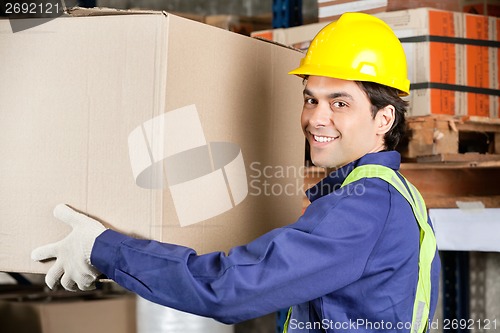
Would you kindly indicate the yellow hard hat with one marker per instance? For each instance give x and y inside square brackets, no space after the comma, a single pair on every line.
[357,47]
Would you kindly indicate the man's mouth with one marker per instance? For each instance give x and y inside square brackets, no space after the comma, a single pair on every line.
[322,139]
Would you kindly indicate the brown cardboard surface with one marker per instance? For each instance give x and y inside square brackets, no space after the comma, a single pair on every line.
[73,90]
[71,313]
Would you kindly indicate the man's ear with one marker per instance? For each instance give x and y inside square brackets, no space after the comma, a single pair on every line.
[385,119]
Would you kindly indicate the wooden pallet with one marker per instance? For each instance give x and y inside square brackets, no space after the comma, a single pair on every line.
[440,138]
[442,185]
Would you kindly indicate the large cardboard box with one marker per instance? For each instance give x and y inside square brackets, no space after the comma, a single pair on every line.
[159,126]
[64,313]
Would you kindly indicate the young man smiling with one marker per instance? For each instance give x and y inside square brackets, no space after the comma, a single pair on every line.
[356,261]
[338,123]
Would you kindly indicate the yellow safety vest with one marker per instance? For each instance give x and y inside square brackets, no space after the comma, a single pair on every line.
[427,239]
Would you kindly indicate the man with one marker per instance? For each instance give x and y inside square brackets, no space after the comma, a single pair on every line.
[363,256]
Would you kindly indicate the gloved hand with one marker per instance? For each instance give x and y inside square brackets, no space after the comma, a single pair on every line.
[72,253]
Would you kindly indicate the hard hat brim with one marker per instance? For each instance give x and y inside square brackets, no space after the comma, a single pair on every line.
[311,70]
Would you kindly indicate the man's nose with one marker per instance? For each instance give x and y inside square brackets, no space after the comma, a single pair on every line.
[321,116]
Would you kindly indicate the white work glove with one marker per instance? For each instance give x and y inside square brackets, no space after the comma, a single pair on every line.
[72,254]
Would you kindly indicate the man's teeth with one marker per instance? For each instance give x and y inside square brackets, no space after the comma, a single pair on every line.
[322,138]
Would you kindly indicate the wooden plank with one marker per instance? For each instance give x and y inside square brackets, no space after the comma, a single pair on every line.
[441,184]
[484,120]
[454,182]
[478,127]
[430,135]
[496,144]
[451,202]
[457,165]
[442,134]
[467,157]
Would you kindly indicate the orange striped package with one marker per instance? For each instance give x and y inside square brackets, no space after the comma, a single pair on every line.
[477,64]
[453,60]
[434,59]
[494,25]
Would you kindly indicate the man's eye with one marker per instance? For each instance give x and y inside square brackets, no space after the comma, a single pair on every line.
[310,101]
[339,104]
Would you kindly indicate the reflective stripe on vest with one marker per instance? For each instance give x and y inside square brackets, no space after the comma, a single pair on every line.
[427,239]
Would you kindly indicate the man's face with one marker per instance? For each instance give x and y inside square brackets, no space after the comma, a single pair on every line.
[338,123]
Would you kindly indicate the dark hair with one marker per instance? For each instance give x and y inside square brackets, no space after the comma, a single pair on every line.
[380,96]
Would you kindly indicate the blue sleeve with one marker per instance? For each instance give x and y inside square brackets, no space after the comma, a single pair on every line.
[326,249]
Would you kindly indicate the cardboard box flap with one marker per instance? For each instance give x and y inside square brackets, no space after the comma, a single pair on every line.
[279,44]
[104,11]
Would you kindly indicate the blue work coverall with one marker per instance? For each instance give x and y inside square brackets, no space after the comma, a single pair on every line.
[349,264]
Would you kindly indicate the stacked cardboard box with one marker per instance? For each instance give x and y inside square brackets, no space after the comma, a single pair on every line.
[62,312]
[431,62]
[453,58]
[482,62]
[452,61]
[329,10]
